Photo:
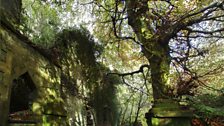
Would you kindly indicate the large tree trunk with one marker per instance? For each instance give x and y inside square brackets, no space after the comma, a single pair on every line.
[154,39]
[159,59]
[155,48]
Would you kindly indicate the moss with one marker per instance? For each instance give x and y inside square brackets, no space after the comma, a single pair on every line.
[167,112]
[20,59]
[10,12]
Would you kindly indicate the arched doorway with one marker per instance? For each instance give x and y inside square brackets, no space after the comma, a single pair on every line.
[23,93]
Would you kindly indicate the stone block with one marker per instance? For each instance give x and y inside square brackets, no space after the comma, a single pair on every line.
[169,113]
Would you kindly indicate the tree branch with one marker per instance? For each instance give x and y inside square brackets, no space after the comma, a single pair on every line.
[132,73]
[114,22]
[216,4]
[134,88]
[205,32]
[141,70]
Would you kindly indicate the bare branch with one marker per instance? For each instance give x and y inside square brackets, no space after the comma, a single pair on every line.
[183,22]
[203,36]
[122,37]
[141,70]
[212,7]
[208,87]
[134,88]
[114,22]
[132,73]
[205,32]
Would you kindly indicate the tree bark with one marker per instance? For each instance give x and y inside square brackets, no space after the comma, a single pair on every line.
[155,48]
[159,60]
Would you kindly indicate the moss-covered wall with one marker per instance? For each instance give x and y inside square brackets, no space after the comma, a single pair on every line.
[10,11]
[17,58]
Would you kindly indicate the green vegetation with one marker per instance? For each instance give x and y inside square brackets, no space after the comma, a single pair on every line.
[119,57]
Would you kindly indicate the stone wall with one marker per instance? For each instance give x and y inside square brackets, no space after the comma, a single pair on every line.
[16,59]
[10,11]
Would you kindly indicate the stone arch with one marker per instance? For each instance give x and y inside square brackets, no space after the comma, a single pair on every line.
[18,62]
[23,93]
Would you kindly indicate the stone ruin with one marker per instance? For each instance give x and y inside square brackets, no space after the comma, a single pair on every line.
[30,88]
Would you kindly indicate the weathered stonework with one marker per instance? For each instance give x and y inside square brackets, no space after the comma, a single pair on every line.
[16,59]
[10,11]
[167,112]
